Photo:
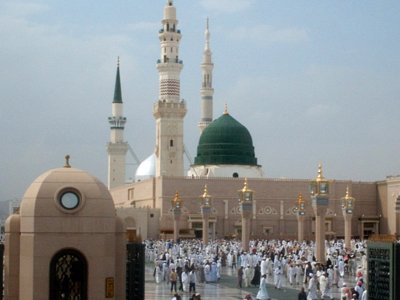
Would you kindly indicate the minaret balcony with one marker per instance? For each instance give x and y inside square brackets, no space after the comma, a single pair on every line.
[117,122]
[169,109]
[166,60]
[170,30]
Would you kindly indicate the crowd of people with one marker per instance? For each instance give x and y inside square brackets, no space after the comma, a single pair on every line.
[183,264]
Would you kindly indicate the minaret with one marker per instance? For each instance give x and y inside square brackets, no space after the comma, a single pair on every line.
[206,90]
[117,148]
[169,110]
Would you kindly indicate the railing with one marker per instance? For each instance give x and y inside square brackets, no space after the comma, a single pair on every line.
[170,30]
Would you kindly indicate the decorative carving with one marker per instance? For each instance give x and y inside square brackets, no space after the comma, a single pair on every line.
[267,210]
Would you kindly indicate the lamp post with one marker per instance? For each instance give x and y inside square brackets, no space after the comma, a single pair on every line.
[246,206]
[319,200]
[176,204]
[205,213]
[347,210]
[301,211]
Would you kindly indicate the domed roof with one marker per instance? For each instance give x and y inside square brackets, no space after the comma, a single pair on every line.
[146,169]
[43,197]
[225,141]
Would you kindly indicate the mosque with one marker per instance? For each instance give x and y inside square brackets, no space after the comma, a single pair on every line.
[225,158]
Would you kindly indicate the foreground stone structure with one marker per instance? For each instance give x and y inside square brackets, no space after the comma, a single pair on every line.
[66,241]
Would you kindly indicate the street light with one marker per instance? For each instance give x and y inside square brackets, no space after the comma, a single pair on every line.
[300,208]
[246,206]
[348,202]
[176,204]
[301,211]
[319,188]
[347,209]
[205,207]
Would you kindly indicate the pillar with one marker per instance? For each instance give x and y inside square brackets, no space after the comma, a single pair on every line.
[300,228]
[206,216]
[245,233]
[176,226]
[347,230]
[320,234]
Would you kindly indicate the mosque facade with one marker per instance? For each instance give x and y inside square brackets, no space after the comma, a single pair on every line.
[225,157]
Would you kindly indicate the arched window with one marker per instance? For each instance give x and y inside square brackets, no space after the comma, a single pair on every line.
[68,276]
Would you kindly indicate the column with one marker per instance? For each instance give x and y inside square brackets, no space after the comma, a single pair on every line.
[300,228]
[246,205]
[320,234]
[176,204]
[347,231]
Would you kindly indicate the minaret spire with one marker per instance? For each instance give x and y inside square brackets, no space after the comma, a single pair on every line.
[170,109]
[206,90]
[117,147]
[117,90]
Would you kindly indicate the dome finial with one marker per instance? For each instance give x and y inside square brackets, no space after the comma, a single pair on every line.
[226,109]
[67,165]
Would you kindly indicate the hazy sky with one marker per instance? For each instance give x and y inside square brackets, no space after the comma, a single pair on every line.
[313,81]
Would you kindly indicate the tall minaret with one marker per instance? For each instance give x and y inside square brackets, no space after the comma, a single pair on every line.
[207,90]
[117,148]
[169,110]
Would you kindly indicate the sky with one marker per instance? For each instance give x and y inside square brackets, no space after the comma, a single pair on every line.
[313,81]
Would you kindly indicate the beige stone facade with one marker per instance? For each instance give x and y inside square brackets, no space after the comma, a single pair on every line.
[274,214]
[66,241]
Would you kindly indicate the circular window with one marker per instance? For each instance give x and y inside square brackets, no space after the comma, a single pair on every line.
[69,200]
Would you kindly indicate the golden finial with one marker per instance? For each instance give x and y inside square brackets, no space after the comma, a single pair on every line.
[67,165]
[300,199]
[347,192]
[320,176]
[226,109]
[177,200]
[245,186]
[205,198]
[205,193]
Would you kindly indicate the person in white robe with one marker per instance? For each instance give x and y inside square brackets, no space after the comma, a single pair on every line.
[291,274]
[278,277]
[207,272]
[229,259]
[246,276]
[264,266]
[341,267]
[312,288]
[298,271]
[323,282]
[263,292]
[159,273]
[185,281]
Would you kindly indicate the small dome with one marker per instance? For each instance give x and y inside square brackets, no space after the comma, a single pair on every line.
[84,195]
[225,141]
[146,169]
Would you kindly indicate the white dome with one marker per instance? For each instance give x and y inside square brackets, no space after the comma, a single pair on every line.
[146,169]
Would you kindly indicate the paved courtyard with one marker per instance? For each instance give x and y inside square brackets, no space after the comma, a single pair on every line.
[226,288]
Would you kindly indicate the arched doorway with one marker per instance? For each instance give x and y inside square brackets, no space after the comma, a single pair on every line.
[68,276]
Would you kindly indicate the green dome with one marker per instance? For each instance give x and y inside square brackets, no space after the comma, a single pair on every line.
[225,142]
